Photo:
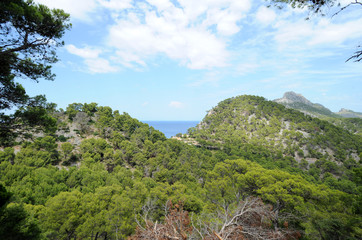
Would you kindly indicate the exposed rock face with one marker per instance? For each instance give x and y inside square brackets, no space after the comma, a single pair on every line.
[292,97]
[299,102]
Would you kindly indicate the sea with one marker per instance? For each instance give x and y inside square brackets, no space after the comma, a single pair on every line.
[171,128]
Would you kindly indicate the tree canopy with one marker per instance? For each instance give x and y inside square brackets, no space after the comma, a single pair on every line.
[30,33]
[29,36]
[93,173]
[107,175]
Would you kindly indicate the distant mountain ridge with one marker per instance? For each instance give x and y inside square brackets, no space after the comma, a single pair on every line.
[346,119]
[349,113]
[299,102]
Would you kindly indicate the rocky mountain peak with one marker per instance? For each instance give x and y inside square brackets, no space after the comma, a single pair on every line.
[344,110]
[292,97]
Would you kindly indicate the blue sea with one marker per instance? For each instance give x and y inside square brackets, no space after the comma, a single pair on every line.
[171,128]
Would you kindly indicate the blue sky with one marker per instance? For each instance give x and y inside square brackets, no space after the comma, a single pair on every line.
[176,59]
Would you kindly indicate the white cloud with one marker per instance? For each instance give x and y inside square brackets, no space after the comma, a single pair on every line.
[199,34]
[100,65]
[287,32]
[265,15]
[86,52]
[194,9]
[176,104]
[116,5]
[182,33]
[327,32]
[94,63]
[78,9]
[194,33]
[224,20]
[319,32]
[194,47]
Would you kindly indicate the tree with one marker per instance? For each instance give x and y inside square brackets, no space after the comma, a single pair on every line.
[30,33]
[62,214]
[67,149]
[29,36]
[34,115]
[317,6]
[15,223]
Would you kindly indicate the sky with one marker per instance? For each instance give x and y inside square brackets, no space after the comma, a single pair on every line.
[176,59]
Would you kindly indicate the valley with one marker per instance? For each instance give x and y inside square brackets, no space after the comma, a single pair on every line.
[97,173]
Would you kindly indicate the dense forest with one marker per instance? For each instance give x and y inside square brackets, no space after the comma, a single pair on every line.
[100,174]
[252,169]
[267,132]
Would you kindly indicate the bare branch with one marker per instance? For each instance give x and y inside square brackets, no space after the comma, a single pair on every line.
[356,2]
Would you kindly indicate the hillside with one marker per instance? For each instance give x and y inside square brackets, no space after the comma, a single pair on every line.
[100,174]
[250,119]
[278,137]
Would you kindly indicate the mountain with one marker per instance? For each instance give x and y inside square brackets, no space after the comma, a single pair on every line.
[292,97]
[346,119]
[349,113]
[252,169]
[299,102]
[271,134]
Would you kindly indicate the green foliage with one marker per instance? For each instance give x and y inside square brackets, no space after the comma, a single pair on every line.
[35,116]
[7,155]
[114,172]
[39,153]
[73,109]
[233,180]
[97,187]
[15,222]
[277,137]
[30,33]
[4,197]
[61,215]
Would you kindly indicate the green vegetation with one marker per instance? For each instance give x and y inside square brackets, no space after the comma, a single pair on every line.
[115,176]
[345,119]
[277,137]
[30,34]
[252,169]
[353,125]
